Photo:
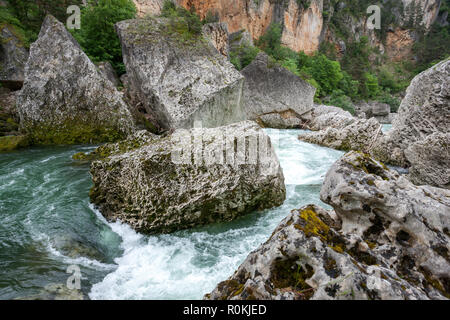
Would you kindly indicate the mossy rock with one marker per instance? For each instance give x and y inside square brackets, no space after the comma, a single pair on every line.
[10,143]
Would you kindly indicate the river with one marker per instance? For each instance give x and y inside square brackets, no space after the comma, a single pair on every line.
[46,221]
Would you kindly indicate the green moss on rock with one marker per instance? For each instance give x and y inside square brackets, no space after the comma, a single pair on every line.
[10,143]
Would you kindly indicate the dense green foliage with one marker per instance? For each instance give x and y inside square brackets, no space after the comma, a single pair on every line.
[97,35]
[243,55]
[27,15]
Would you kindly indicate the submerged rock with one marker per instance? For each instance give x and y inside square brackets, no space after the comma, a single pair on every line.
[343,133]
[177,77]
[404,227]
[429,160]
[424,110]
[305,258]
[13,57]
[65,99]
[56,291]
[274,96]
[190,178]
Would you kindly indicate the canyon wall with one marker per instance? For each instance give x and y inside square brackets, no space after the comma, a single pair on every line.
[307,23]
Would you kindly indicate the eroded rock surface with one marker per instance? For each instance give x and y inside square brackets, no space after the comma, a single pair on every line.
[275,97]
[429,160]
[424,110]
[385,239]
[305,258]
[179,78]
[407,226]
[65,99]
[190,178]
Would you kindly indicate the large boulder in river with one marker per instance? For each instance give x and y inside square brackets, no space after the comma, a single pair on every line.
[357,134]
[159,184]
[13,57]
[274,96]
[178,76]
[424,110]
[395,223]
[429,160]
[65,99]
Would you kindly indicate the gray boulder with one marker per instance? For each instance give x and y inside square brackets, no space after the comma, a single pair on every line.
[322,117]
[358,134]
[108,72]
[394,223]
[65,99]
[13,57]
[275,97]
[429,160]
[159,184]
[306,258]
[217,33]
[240,38]
[424,110]
[179,78]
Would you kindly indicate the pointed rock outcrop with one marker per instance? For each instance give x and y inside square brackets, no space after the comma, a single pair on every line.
[65,99]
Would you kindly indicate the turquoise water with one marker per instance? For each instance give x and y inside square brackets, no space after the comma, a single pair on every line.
[47,224]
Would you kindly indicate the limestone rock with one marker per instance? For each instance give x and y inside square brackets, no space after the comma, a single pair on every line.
[405,227]
[424,110]
[430,160]
[240,38]
[10,142]
[217,33]
[378,110]
[109,73]
[148,7]
[189,178]
[65,99]
[306,258]
[13,57]
[359,134]
[9,119]
[322,117]
[271,89]
[179,78]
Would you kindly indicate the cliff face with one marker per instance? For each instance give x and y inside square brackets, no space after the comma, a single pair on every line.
[307,23]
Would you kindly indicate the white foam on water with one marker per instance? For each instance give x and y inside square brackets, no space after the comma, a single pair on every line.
[188,265]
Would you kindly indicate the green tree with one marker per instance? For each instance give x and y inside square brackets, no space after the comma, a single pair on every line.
[97,35]
[371,86]
[327,73]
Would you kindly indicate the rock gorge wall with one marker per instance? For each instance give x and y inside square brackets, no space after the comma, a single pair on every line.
[307,22]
